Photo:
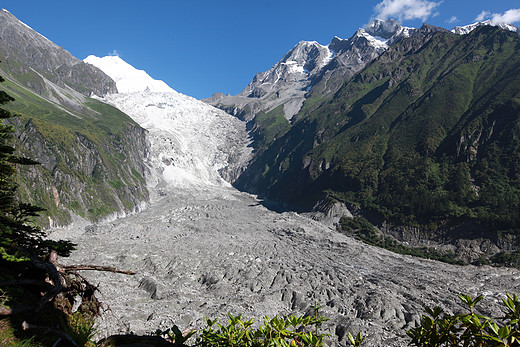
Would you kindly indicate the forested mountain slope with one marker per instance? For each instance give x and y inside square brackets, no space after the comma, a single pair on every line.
[426,135]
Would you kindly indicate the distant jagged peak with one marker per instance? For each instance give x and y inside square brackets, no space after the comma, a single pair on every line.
[379,33]
[377,41]
[463,30]
[389,30]
[383,28]
[128,79]
[308,55]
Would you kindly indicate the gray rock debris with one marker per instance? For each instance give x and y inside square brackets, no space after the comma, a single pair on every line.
[207,252]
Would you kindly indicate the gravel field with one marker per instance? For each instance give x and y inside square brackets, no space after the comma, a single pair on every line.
[209,251]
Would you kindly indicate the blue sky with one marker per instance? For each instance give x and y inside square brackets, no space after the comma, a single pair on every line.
[200,47]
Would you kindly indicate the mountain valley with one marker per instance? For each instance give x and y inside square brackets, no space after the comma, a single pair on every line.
[389,125]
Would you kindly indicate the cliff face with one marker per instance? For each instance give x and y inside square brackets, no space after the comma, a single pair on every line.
[86,178]
[91,154]
[91,169]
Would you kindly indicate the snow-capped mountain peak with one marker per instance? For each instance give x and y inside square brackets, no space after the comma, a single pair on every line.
[463,30]
[383,28]
[377,42]
[307,64]
[388,30]
[128,79]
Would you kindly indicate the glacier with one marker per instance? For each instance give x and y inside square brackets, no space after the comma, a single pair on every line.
[191,142]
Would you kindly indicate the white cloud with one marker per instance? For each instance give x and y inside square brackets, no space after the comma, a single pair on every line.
[406,9]
[114,53]
[482,16]
[509,17]
[453,19]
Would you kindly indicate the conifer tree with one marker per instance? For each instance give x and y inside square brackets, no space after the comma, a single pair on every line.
[19,240]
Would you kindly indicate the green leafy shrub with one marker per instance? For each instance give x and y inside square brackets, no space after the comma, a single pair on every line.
[276,331]
[469,329]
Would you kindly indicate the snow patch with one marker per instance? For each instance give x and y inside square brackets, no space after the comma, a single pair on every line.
[128,79]
[376,42]
[294,67]
[328,58]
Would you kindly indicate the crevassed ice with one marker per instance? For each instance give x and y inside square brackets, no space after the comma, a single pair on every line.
[191,142]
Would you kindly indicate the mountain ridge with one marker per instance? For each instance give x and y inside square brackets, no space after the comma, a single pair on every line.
[127,78]
[354,53]
[91,154]
[396,117]
[48,59]
[304,66]
[205,250]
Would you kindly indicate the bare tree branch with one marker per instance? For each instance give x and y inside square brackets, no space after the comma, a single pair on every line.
[97,268]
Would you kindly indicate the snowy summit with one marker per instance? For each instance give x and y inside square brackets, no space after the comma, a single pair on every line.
[463,30]
[128,79]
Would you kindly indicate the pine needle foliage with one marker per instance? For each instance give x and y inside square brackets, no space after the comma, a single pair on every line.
[19,240]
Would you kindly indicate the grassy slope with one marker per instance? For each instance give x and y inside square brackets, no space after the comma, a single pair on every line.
[63,135]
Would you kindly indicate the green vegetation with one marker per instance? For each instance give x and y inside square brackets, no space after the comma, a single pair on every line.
[365,231]
[469,329]
[18,239]
[22,246]
[428,135]
[509,259]
[438,329]
[88,155]
[80,329]
[116,184]
[8,337]
[276,331]
[268,127]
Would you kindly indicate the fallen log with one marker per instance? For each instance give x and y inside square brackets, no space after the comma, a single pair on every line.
[97,268]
